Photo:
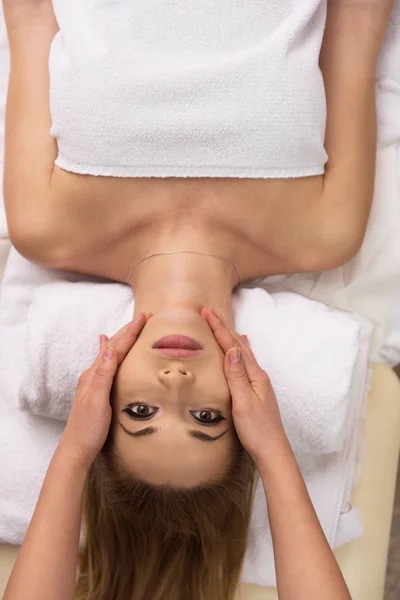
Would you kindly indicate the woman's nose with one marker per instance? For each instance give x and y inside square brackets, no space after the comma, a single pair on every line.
[176,375]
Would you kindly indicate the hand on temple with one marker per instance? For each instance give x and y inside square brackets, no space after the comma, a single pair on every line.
[255,410]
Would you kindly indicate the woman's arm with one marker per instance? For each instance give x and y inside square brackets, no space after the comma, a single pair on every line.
[46,565]
[305,566]
[30,149]
[326,229]
[354,33]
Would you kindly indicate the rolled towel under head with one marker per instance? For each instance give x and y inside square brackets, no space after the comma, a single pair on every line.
[310,352]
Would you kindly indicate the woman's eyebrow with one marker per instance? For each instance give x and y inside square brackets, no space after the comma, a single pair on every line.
[200,435]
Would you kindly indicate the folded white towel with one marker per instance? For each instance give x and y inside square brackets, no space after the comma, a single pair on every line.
[30,440]
[236,93]
[310,352]
[27,442]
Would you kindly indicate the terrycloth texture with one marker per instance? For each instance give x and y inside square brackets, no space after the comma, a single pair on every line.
[310,352]
[27,442]
[189,89]
[203,98]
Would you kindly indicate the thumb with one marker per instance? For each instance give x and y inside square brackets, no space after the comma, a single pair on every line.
[235,371]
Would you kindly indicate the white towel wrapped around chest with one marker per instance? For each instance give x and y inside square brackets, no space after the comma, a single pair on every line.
[164,88]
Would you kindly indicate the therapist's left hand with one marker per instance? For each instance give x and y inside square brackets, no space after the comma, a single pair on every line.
[90,417]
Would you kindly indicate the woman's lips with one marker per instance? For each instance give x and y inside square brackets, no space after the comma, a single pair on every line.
[178,341]
[177,352]
[177,346]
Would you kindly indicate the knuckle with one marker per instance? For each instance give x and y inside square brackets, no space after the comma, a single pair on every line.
[101,372]
[240,374]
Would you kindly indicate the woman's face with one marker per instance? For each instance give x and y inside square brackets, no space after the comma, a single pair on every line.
[183,399]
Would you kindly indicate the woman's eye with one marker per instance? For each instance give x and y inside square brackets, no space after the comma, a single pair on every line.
[144,411]
[205,416]
[139,411]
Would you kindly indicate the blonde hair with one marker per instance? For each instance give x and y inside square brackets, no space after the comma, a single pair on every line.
[147,542]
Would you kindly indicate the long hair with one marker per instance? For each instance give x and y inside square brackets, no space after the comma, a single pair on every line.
[148,542]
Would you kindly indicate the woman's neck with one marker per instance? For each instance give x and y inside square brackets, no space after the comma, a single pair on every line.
[184,280]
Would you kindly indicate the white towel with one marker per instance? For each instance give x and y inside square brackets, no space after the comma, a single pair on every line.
[27,442]
[310,352]
[213,87]
[189,89]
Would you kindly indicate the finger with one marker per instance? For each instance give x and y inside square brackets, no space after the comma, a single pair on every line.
[103,375]
[246,339]
[222,334]
[121,342]
[214,315]
[130,326]
[86,378]
[236,373]
[126,337]
[254,371]
[229,339]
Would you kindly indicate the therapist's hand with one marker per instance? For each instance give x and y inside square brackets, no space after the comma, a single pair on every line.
[255,410]
[90,417]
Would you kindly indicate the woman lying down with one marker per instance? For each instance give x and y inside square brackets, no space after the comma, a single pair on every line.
[187,152]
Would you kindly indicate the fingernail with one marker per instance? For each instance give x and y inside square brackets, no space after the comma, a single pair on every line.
[246,339]
[234,355]
[108,353]
[214,312]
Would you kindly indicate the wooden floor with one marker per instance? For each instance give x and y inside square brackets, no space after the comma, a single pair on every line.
[392,589]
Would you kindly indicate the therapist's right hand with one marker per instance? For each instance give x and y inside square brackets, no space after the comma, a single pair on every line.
[255,409]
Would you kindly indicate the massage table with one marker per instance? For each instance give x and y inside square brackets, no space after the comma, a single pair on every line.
[363,561]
